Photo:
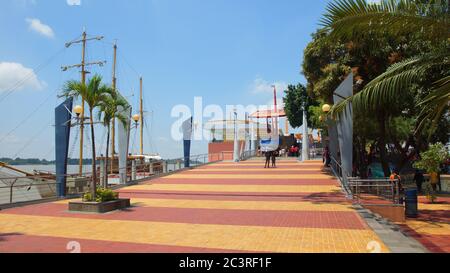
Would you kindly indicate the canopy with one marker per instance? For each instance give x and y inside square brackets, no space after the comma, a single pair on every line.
[268,114]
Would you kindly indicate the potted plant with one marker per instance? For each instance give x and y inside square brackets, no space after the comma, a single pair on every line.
[430,161]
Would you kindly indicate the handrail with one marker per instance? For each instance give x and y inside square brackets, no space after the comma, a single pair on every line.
[12,182]
[340,173]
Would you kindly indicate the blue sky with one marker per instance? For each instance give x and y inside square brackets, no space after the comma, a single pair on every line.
[226,51]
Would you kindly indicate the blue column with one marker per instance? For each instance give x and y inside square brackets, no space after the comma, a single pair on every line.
[187,135]
[63,117]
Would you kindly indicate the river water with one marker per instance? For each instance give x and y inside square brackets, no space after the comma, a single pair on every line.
[71,169]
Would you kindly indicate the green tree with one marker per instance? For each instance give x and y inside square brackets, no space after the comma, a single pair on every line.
[431,159]
[424,20]
[296,98]
[108,111]
[94,93]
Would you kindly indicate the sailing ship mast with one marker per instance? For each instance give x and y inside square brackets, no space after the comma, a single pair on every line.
[113,126]
[141,114]
[83,65]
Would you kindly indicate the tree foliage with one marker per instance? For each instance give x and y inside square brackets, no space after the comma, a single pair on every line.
[295,100]
[431,159]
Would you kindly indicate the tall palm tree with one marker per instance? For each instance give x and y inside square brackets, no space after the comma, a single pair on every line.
[108,111]
[93,93]
[353,19]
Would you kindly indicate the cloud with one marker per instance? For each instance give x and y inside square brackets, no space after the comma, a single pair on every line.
[18,77]
[25,3]
[262,86]
[73,2]
[37,26]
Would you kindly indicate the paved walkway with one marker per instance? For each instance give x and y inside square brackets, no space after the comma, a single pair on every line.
[224,207]
[432,227]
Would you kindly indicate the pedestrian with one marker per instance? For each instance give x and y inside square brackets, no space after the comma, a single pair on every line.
[419,179]
[274,158]
[397,180]
[369,173]
[327,157]
[268,156]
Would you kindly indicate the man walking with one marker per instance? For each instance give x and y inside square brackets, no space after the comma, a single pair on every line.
[268,157]
[274,158]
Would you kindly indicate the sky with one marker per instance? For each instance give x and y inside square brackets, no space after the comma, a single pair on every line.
[227,52]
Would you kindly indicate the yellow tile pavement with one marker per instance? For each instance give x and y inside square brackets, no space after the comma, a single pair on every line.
[236,205]
[429,227]
[206,170]
[249,176]
[237,188]
[246,238]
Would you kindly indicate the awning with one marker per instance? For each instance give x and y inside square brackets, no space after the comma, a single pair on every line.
[269,114]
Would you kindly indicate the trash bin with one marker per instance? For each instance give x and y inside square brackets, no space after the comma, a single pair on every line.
[411,207]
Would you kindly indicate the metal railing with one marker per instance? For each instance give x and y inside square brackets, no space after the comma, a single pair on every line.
[375,191]
[17,189]
[341,174]
[247,155]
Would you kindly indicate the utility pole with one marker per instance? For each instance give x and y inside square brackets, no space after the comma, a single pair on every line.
[275,120]
[141,110]
[113,127]
[83,65]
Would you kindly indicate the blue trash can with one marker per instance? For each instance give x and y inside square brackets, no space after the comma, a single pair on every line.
[411,203]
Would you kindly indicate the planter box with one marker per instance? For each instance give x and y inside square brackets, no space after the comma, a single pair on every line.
[395,213]
[104,207]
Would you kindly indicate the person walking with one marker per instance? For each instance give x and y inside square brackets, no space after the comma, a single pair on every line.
[397,180]
[326,157]
[274,158]
[268,157]
[419,179]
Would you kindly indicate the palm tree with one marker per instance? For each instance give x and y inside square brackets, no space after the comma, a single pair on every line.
[107,113]
[93,94]
[353,19]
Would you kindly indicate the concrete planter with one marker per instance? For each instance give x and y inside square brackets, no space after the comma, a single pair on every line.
[94,207]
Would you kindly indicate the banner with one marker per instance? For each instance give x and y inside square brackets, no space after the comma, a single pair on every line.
[271,142]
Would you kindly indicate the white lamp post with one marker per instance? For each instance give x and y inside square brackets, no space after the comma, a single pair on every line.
[236,144]
[305,144]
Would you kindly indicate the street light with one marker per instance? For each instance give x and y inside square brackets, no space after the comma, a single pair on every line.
[78,110]
[136,118]
[326,108]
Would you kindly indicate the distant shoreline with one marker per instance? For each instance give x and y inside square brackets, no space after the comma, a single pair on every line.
[36,161]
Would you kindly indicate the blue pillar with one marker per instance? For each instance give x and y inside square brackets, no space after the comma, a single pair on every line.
[187,135]
[63,117]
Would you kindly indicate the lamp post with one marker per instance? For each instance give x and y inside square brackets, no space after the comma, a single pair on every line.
[78,110]
[305,142]
[236,144]
[136,118]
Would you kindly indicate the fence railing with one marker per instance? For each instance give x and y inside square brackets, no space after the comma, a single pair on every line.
[248,154]
[375,191]
[16,189]
[341,174]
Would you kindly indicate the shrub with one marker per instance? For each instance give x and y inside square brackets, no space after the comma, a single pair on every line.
[102,195]
[431,159]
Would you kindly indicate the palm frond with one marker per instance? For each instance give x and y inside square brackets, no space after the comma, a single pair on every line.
[347,19]
[435,104]
[386,89]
